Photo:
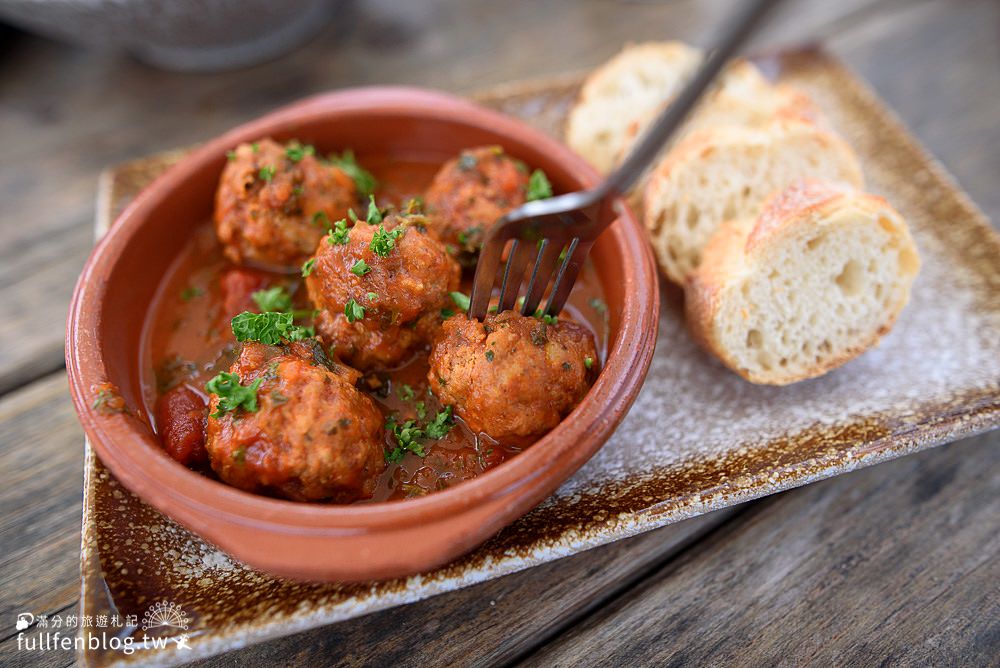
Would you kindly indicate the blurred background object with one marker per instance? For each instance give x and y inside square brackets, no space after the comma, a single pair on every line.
[184,35]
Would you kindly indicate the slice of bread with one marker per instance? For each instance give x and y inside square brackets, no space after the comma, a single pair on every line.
[626,88]
[724,173]
[743,97]
[818,278]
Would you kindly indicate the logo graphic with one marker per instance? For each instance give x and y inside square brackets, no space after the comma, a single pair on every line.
[164,614]
[24,620]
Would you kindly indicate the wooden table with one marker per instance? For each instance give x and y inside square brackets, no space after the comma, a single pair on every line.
[896,564]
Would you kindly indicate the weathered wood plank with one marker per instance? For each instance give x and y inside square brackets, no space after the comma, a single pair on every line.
[896,564]
[488,624]
[67,113]
[41,456]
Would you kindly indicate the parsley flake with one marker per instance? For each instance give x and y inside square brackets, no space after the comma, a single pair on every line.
[308,266]
[230,155]
[354,311]
[296,151]
[269,328]
[189,293]
[360,268]
[538,186]
[272,299]
[266,173]
[232,395]
[489,355]
[384,241]
[588,362]
[461,300]
[363,179]
[371,296]
[339,233]
[320,218]
[405,392]
[374,216]
[409,434]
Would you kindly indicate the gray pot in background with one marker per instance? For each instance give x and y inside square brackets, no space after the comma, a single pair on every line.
[186,35]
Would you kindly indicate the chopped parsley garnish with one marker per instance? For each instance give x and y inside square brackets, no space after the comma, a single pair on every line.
[598,306]
[363,179]
[421,409]
[547,319]
[308,266]
[296,152]
[189,293]
[230,155]
[461,300]
[353,216]
[384,241]
[266,173]
[273,299]
[339,234]
[232,395]
[354,311]
[405,392]
[360,268]
[374,216]
[446,313]
[371,296]
[441,424]
[320,218]
[489,355]
[409,434]
[255,147]
[538,186]
[588,362]
[269,328]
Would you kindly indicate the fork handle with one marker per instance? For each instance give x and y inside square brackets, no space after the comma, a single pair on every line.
[642,156]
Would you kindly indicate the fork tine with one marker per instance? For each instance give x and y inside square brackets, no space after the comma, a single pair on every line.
[486,273]
[520,253]
[545,265]
[575,256]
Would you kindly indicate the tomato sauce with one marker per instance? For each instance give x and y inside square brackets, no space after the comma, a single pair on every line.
[187,340]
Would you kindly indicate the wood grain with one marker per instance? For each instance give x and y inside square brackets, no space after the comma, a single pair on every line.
[41,456]
[897,564]
[492,623]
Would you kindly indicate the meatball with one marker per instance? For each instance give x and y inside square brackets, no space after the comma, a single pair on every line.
[274,203]
[380,289]
[471,192]
[511,376]
[313,437]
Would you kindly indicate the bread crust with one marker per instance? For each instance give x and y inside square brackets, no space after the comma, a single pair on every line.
[731,253]
[702,143]
[624,89]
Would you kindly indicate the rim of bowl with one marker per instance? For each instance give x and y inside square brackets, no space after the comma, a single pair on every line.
[126,451]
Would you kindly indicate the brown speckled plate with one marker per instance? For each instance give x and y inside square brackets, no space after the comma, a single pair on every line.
[698,438]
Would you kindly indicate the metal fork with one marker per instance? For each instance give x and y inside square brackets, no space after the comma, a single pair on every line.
[559,232]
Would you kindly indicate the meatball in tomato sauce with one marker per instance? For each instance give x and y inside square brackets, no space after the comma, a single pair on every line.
[379,289]
[511,376]
[275,202]
[471,192]
[307,435]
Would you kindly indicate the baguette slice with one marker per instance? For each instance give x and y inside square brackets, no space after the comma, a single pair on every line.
[818,278]
[724,173]
[626,88]
[743,97]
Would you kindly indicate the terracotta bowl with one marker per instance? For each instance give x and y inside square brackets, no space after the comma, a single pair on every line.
[329,542]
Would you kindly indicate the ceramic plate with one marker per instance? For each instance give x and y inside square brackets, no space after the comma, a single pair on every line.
[697,438]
